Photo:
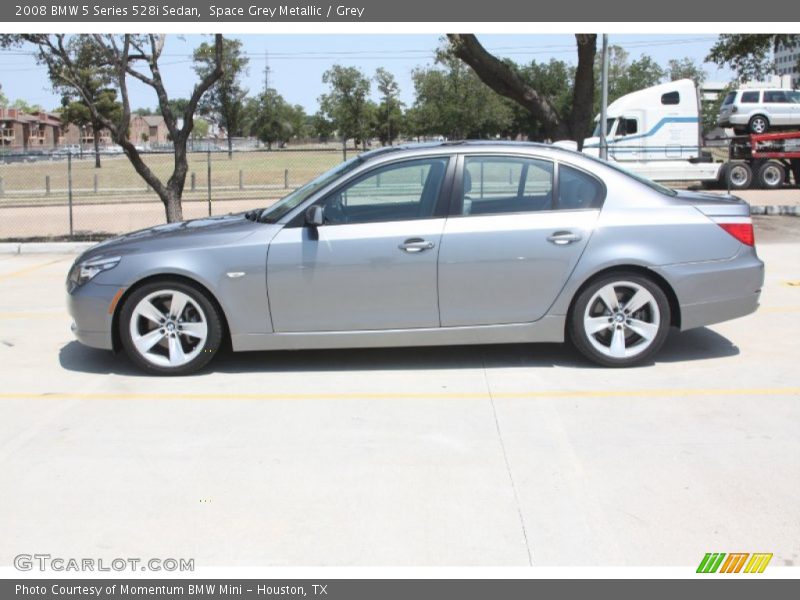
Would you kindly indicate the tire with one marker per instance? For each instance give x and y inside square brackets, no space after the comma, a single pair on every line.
[758,124]
[737,176]
[604,333]
[163,343]
[771,175]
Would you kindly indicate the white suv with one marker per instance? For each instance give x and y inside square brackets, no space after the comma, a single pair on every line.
[758,110]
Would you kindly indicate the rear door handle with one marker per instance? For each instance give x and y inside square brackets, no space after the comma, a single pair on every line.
[562,238]
[414,245]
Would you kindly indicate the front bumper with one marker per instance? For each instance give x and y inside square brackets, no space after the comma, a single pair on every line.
[91,308]
[715,291]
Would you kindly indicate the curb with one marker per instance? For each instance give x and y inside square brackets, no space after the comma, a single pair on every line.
[776,210]
[44,247]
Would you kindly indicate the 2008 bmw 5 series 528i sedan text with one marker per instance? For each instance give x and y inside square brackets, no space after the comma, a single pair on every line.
[454,243]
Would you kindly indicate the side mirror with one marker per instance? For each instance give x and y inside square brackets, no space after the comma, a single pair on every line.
[314,216]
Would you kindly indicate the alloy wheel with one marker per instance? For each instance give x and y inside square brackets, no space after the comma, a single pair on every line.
[168,328]
[622,320]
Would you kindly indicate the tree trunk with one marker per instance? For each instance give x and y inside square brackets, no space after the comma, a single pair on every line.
[172,204]
[96,150]
[230,146]
[583,94]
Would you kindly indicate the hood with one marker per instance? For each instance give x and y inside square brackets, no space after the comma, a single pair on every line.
[207,231]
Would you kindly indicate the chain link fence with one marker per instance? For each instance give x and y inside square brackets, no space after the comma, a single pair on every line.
[65,196]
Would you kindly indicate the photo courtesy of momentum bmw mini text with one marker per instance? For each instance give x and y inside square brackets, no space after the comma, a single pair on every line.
[380,300]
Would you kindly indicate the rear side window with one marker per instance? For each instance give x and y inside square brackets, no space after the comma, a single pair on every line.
[775,97]
[750,97]
[506,184]
[578,190]
[671,98]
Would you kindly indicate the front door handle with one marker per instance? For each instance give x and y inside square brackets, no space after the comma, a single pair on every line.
[562,238]
[414,245]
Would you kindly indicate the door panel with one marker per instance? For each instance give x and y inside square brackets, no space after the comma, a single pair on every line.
[355,277]
[508,268]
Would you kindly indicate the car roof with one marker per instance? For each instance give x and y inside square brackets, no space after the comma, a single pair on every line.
[453,147]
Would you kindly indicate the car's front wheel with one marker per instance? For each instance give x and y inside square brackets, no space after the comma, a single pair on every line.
[758,124]
[620,320]
[170,328]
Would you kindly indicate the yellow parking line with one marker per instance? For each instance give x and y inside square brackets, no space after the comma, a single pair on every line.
[635,393]
[32,314]
[27,270]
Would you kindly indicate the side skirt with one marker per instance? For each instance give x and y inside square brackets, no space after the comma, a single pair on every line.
[546,329]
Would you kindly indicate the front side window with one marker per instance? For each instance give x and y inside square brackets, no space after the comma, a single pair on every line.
[729,99]
[793,97]
[506,184]
[395,192]
[750,97]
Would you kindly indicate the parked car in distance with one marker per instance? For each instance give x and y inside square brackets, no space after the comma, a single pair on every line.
[759,110]
[434,244]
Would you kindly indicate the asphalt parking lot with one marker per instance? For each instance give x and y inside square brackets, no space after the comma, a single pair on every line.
[489,455]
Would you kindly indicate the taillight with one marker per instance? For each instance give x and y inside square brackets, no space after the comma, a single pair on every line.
[741,231]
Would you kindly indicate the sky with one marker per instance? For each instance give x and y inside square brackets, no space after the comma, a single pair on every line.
[297,62]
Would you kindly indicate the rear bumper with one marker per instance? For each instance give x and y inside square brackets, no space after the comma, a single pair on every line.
[715,291]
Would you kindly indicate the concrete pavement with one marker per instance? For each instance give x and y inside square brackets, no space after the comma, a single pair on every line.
[488,455]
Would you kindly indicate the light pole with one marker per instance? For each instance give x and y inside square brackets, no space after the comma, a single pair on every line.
[604,100]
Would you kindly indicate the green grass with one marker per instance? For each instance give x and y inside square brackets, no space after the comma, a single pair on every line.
[267,174]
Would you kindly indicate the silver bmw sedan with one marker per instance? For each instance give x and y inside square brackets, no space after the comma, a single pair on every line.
[442,244]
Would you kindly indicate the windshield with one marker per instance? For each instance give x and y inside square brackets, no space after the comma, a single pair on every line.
[648,182]
[288,203]
[609,125]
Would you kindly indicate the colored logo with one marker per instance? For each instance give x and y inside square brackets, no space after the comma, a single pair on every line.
[735,562]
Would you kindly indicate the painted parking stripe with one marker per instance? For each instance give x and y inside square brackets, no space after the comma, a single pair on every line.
[523,395]
[27,270]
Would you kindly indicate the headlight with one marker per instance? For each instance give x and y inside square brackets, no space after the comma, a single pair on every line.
[84,271]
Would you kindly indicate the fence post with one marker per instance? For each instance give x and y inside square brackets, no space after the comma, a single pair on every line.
[208,161]
[69,193]
[194,181]
[47,185]
[95,185]
[241,180]
[2,187]
[286,178]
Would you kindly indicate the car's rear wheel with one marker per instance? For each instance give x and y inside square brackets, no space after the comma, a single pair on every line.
[620,320]
[771,175]
[758,124]
[170,328]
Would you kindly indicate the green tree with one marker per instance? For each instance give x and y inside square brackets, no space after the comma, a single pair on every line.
[555,80]
[277,121]
[389,112]
[118,57]
[346,103]
[23,106]
[321,126]
[3,99]
[76,110]
[224,102]
[749,55]
[625,76]
[451,101]
[686,68]
[504,78]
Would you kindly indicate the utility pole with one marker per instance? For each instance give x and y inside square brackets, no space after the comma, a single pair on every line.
[604,100]
[266,71]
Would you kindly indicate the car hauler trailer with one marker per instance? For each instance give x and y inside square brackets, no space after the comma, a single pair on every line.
[657,133]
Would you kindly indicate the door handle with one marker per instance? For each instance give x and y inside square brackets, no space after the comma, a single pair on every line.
[562,238]
[414,245]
